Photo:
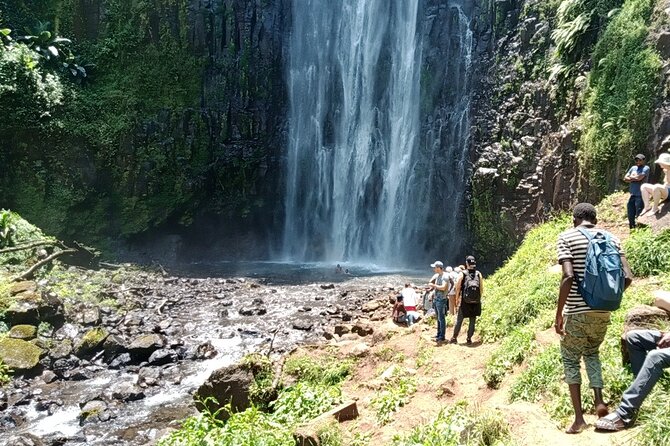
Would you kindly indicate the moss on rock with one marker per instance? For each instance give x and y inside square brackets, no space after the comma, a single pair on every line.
[90,341]
[25,332]
[18,354]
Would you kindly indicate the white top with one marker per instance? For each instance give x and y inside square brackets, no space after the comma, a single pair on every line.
[408,297]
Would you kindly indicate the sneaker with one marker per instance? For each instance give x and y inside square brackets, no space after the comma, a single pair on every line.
[453,341]
[469,341]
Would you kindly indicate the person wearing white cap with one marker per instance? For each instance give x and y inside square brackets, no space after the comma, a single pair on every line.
[656,193]
[440,282]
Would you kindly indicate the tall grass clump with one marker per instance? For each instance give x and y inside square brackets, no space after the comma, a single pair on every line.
[525,286]
[623,86]
[648,253]
[321,370]
[395,394]
[459,425]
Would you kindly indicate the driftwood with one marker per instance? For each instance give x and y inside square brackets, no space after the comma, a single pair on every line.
[29,272]
[36,244]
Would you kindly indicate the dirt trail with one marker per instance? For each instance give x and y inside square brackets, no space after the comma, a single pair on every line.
[445,375]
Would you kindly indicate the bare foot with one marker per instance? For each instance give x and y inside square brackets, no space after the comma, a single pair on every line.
[601,410]
[644,211]
[577,427]
[654,210]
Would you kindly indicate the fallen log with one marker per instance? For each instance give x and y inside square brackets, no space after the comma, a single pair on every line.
[30,271]
[36,244]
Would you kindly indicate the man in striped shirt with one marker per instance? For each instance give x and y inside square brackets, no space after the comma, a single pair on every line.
[582,329]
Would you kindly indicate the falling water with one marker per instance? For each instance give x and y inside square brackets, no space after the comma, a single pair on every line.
[376,166]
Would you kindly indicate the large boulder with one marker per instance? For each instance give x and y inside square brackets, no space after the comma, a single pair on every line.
[19,355]
[32,307]
[226,385]
[645,317]
[143,346]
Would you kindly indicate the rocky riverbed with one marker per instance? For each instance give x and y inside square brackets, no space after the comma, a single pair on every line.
[113,357]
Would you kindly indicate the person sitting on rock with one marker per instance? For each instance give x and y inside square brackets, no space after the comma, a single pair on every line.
[399,315]
[654,194]
[649,352]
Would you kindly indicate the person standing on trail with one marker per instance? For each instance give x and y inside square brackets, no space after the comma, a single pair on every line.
[440,283]
[636,175]
[451,293]
[469,290]
[582,328]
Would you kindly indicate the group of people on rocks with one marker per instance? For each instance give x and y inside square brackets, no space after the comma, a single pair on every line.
[454,290]
[582,327]
[644,196]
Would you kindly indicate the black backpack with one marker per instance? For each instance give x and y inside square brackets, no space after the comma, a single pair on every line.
[471,289]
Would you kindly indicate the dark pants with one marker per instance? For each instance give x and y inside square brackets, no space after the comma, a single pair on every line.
[647,363]
[440,305]
[634,208]
[459,321]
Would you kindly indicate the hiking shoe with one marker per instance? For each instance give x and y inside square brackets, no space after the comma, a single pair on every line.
[453,341]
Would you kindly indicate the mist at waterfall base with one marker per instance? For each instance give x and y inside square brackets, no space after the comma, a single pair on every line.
[377,156]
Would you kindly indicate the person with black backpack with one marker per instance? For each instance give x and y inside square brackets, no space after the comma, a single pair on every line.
[469,290]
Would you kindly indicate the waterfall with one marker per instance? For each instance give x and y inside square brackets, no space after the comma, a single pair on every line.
[376,166]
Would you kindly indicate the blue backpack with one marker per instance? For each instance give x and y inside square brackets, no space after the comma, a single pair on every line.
[603,282]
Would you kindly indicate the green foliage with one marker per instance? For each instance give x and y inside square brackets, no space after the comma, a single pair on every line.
[322,370]
[648,253]
[490,229]
[29,94]
[304,401]
[5,373]
[622,89]
[459,425]
[395,394]
[330,434]
[525,286]
[253,427]
[542,377]
[512,351]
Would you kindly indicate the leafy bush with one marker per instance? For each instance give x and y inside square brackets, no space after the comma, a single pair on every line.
[304,401]
[648,253]
[459,426]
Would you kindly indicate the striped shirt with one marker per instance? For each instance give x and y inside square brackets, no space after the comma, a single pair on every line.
[572,245]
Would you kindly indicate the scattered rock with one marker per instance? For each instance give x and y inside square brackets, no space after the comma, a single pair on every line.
[252,311]
[22,287]
[25,332]
[163,356]
[61,366]
[26,439]
[205,351]
[48,376]
[362,330]
[148,376]
[90,342]
[113,346]
[327,286]
[93,411]
[32,308]
[127,392]
[19,355]
[372,306]
[90,316]
[303,325]
[120,361]
[143,346]
[228,384]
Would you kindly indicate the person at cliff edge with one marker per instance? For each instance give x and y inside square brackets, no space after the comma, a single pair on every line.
[636,175]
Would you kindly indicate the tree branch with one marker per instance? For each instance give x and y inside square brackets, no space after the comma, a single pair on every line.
[28,246]
[29,272]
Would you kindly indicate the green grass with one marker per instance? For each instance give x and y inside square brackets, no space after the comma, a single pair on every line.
[327,370]
[512,351]
[396,393]
[648,252]
[5,373]
[459,425]
[518,292]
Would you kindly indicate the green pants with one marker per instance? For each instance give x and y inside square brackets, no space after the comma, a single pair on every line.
[583,335]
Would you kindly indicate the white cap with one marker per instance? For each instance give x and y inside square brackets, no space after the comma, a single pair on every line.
[437,263]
